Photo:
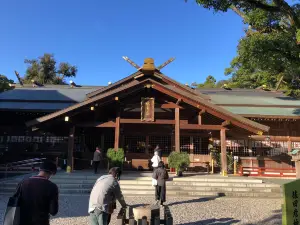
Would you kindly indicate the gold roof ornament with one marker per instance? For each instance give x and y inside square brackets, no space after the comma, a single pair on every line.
[148,65]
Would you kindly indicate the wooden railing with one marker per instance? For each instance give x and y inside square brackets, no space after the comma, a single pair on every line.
[267,172]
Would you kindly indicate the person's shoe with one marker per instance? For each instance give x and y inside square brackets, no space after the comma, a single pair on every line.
[161,204]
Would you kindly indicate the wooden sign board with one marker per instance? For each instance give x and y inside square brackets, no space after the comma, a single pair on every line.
[147,109]
[291,203]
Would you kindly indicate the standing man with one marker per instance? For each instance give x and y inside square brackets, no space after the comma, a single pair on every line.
[39,197]
[103,197]
[97,158]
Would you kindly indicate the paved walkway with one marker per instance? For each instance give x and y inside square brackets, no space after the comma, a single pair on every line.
[186,211]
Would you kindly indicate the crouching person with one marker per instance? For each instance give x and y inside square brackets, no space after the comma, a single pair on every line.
[103,197]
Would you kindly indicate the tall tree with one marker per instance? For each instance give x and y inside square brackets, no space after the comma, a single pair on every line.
[210,82]
[269,50]
[45,71]
[4,83]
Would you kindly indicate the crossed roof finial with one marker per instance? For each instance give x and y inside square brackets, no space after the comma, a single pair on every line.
[148,64]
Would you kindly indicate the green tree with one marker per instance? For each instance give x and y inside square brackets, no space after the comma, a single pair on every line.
[4,83]
[45,71]
[269,51]
[210,82]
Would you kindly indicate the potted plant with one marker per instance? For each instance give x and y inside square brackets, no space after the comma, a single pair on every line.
[115,158]
[179,160]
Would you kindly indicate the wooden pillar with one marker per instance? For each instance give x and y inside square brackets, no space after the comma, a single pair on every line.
[200,116]
[290,145]
[177,130]
[117,132]
[70,149]
[223,152]
[297,166]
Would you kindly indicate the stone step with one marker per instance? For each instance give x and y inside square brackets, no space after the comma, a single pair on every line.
[226,180]
[130,192]
[148,183]
[72,187]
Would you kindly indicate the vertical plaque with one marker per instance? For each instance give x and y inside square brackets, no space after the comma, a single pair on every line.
[147,109]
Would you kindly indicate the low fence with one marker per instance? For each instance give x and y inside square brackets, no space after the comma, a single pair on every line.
[267,172]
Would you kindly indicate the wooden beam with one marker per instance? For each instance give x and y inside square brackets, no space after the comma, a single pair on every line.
[223,152]
[200,127]
[70,149]
[97,124]
[177,130]
[178,101]
[138,121]
[117,132]
[170,105]
[202,112]
[274,138]
[226,123]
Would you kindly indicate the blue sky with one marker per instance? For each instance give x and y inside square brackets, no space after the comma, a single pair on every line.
[95,34]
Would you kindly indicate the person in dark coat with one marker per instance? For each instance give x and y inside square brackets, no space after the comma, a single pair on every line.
[39,197]
[97,158]
[161,175]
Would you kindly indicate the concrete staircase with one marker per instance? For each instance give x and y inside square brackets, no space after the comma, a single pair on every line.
[140,185]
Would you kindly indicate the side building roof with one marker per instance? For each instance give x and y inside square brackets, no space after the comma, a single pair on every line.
[46,98]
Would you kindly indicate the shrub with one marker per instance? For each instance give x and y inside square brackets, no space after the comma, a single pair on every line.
[115,158]
[216,156]
[179,160]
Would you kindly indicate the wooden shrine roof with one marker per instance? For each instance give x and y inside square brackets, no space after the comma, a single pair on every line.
[171,90]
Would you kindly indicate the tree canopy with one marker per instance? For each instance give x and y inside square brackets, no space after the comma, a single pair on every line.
[4,83]
[269,51]
[45,70]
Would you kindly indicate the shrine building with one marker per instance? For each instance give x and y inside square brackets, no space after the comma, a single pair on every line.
[145,109]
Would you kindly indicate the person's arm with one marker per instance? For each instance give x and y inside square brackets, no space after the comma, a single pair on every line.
[54,202]
[118,194]
[166,175]
[155,176]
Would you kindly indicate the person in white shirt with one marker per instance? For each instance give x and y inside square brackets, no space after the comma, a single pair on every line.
[155,160]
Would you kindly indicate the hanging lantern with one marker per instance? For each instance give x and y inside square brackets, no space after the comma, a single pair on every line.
[66,118]
[92,108]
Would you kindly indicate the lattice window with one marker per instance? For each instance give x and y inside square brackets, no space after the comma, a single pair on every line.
[164,143]
[238,147]
[200,145]
[267,148]
[185,144]
[194,145]
[136,144]
[109,141]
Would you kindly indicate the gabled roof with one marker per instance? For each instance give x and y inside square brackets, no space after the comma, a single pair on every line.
[171,90]
[157,73]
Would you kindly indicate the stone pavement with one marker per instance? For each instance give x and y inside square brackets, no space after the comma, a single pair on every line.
[186,211]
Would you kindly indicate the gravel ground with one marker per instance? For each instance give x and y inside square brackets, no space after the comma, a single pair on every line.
[186,211]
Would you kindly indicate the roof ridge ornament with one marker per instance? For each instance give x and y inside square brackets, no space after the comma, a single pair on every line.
[148,65]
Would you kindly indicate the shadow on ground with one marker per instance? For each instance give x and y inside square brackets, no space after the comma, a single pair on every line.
[206,199]
[275,219]
[223,221]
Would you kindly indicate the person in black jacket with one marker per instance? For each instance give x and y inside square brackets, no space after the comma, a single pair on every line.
[161,175]
[39,197]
